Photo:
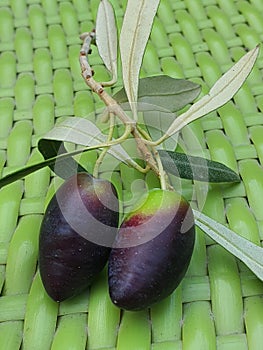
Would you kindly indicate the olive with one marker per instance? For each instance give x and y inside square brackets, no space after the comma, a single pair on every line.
[152,250]
[77,231]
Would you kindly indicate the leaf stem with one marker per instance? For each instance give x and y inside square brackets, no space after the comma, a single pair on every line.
[105,150]
[162,173]
[164,182]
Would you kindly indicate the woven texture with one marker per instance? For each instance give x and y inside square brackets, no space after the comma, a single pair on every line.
[219,304]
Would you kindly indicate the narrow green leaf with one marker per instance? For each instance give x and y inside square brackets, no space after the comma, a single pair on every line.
[106,37]
[196,168]
[83,132]
[246,251]
[64,168]
[135,32]
[75,130]
[19,174]
[163,91]
[223,90]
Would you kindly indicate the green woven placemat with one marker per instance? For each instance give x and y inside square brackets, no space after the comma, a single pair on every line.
[219,304]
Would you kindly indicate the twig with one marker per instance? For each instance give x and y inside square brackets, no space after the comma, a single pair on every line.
[113,107]
[87,74]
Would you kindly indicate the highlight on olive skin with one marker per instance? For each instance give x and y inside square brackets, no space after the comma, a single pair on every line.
[76,234]
[152,251]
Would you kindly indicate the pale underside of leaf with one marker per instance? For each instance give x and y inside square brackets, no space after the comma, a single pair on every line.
[223,90]
[246,251]
[135,32]
[106,37]
[83,132]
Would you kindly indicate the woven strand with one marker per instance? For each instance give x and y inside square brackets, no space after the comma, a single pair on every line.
[219,303]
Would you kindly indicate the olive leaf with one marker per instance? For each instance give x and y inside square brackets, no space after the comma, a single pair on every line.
[223,90]
[27,170]
[135,32]
[52,149]
[106,38]
[246,251]
[85,133]
[75,130]
[163,91]
[196,168]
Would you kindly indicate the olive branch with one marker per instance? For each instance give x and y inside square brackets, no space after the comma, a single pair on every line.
[221,92]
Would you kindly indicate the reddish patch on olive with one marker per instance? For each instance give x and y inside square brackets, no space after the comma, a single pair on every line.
[76,235]
[141,274]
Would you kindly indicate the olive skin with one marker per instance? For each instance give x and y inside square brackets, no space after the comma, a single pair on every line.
[152,251]
[77,231]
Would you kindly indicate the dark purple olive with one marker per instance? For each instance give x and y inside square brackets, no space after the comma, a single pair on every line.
[77,232]
[152,250]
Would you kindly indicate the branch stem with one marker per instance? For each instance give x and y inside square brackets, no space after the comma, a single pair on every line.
[87,74]
[104,151]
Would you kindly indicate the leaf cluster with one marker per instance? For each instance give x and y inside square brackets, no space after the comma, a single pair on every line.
[155,95]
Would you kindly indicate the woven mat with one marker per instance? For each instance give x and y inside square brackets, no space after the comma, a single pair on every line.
[219,304]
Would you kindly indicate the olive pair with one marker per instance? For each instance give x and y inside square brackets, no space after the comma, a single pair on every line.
[148,255]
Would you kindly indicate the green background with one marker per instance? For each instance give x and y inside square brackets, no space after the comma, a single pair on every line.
[219,304]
